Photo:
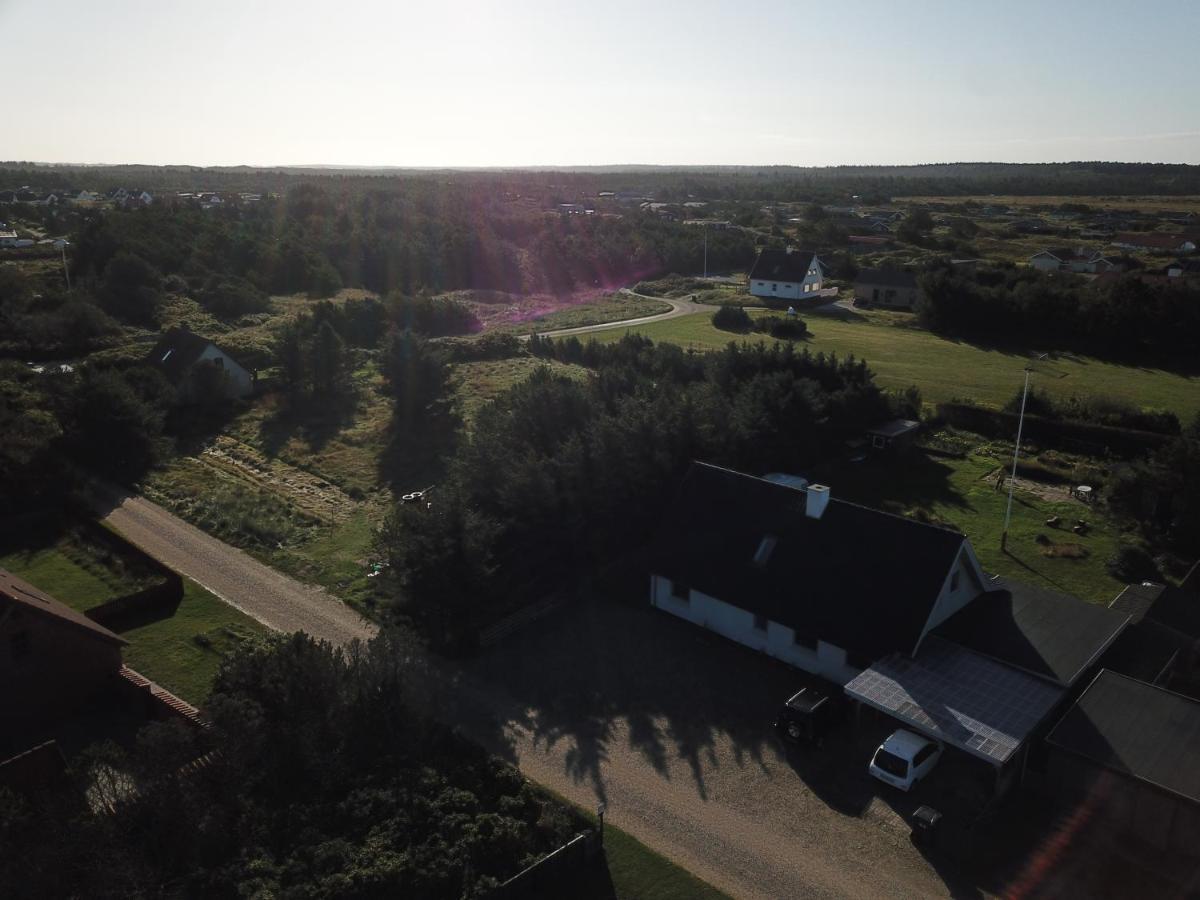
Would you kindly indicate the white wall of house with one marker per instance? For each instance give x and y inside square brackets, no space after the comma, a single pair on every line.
[727,620]
[1046,262]
[240,381]
[791,290]
[964,582]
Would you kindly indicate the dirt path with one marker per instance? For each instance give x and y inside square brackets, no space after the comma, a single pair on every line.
[683,307]
[741,822]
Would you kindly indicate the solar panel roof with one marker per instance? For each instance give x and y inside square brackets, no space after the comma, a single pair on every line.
[959,697]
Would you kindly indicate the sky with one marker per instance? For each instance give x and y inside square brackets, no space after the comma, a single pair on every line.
[667,82]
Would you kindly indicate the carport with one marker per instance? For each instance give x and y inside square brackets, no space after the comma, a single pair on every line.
[965,700]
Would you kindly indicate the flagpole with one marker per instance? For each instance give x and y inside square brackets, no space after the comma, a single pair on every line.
[1016,453]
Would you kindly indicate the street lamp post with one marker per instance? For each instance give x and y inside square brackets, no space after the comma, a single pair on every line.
[1016,453]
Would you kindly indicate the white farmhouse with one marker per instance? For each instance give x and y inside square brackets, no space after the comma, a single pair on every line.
[825,585]
[786,274]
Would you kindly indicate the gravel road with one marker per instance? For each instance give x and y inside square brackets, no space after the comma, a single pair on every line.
[279,602]
[683,307]
[733,813]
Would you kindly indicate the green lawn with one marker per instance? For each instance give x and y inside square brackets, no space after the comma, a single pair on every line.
[72,569]
[478,382]
[182,652]
[961,492]
[638,873]
[945,369]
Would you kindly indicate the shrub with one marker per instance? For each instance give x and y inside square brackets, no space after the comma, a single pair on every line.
[731,318]
[1132,562]
[784,329]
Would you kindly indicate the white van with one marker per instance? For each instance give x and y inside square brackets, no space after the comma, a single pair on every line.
[904,759]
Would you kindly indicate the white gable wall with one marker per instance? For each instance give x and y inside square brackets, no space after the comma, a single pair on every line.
[736,624]
[790,290]
[240,381]
[955,594]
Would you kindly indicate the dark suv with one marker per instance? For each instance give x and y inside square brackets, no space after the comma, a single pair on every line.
[808,716]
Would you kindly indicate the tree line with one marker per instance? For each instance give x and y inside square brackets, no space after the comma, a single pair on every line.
[1127,318]
[562,474]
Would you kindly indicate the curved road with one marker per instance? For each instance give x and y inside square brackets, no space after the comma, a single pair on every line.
[753,831]
[682,307]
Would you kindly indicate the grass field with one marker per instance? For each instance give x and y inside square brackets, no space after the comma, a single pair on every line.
[73,570]
[183,652]
[638,873]
[961,492]
[946,369]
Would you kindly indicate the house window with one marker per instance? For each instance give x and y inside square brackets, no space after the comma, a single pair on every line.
[679,591]
[760,622]
[774,285]
[19,644]
[763,553]
[219,362]
[806,642]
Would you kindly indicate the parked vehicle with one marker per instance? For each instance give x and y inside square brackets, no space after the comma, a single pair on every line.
[808,716]
[904,759]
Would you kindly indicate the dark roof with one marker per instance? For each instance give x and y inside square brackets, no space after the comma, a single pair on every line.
[1049,634]
[25,595]
[1166,605]
[176,351]
[889,277]
[780,265]
[1137,729]
[859,578]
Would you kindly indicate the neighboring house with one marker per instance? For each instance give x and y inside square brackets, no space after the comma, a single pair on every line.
[1128,751]
[8,239]
[786,274]
[1072,260]
[53,659]
[1155,240]
[822,584]
[1183,268]
[888,287]
[181,356]
[126,197]
[898,434]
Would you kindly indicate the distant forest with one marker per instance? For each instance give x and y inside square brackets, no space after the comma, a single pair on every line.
[779,183]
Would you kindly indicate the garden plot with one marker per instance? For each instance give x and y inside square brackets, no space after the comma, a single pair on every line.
[308,493]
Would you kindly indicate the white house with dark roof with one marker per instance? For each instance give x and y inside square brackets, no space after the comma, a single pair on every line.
[786,274]
[898,612]
[782,570]
[181,354]
[1079,260]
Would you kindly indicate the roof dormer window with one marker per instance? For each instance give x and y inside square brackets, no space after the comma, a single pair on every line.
[765,548]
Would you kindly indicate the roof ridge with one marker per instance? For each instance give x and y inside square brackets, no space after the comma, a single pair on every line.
[833,498]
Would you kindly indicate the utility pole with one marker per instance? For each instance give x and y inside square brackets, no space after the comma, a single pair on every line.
[1016,453]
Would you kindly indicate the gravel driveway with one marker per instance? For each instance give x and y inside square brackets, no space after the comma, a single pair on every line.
[664,722]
